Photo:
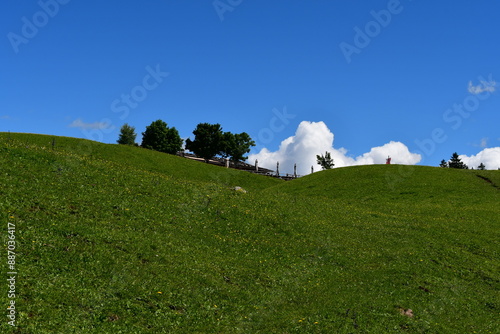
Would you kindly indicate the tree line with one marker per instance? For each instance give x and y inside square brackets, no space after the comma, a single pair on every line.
[209,140]
[456,162]
[326,162]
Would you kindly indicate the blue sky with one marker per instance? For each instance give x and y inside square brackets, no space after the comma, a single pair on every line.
[370,73]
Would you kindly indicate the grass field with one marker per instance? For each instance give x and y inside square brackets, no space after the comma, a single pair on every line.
[114,239]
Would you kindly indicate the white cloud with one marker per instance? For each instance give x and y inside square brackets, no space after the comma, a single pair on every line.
[78,123]
[396,150]
[484,86]
[484,142]
[312,138]
[490,157]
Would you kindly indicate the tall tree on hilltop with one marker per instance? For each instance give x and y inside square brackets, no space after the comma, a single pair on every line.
[127,135]
[481,166]
[159,137]
[325,161]
[443,164]
[235,146]
[208,141]
[456,162]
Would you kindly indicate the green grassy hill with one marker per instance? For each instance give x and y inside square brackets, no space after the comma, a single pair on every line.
[114,239]
[140,158]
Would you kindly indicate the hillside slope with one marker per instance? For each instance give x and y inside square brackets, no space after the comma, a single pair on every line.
[390,181]
[139,158]
[111,242]
[409,189]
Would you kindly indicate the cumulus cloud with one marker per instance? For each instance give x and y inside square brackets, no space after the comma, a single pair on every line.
[312,138]
[78,123]
[490,157]
[398,151]
[484,86]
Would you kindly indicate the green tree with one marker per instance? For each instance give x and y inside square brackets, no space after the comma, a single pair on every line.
[159,137]
[481,166]
[325,161]
[443,164]
[127,135]
[456,162]
[235,146]
[208,141]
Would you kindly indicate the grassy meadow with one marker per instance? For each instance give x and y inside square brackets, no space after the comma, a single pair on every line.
[115,239]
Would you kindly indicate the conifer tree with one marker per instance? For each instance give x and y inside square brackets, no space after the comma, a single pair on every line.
[456,162]
[127,135]
[325,161]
